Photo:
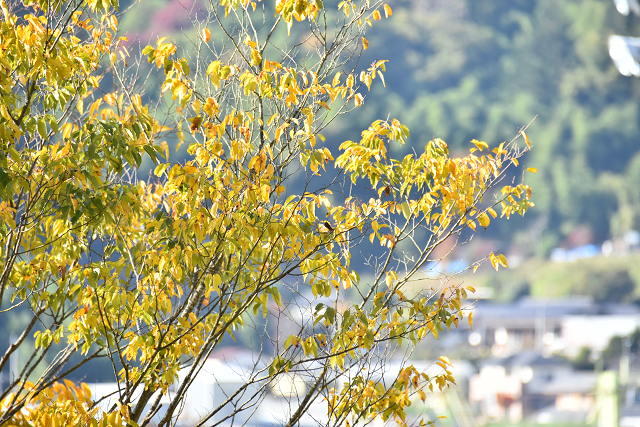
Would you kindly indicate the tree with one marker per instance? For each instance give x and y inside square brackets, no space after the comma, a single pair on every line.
[151,275]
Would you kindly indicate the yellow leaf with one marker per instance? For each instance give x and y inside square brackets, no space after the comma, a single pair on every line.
[67,129]
[359,99]
[215,80]
[196,105]
[213,67]
[470,318]
[391,240]
[206,35]
[271,119]
[250,42]
[433,329]
[336,79]
[86,389]
[445,360]
[216,281]
[502,260]
[94,106]
[483,219]
[389,280]
[526,139]
[480,144]
[494,260]
[532,170]
[387,11]
[349,81]
[256,57]
[376,15]
[365,43]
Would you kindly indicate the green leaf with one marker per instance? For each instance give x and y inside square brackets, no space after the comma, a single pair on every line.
[275,293]
[406,210]
[54,124]
[151,152]
[42,128]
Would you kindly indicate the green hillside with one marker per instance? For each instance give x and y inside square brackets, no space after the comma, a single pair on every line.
[466,69]
[614,279]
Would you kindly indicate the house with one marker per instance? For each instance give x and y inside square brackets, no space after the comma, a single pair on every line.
[515,387]
[528,324]
[595,330]
[574,398]
[552,326]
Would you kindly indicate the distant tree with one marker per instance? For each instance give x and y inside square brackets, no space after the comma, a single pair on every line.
[583,362]
[608,285]
[152,275]
[615,347]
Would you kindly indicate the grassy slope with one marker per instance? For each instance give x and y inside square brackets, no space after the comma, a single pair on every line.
[615,279]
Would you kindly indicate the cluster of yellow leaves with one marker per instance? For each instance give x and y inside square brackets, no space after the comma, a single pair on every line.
[360,331]
[226,201]
[59,178]
[246,223]
[267,79]
[187,257]
[348,7]
[443,189]
[298,10]
[29,54]
[369,399]
[61,404]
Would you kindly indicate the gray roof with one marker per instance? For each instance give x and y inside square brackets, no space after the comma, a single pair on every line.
[525,358]
[576,382]
[525,312]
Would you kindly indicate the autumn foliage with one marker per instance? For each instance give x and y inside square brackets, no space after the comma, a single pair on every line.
[152,274]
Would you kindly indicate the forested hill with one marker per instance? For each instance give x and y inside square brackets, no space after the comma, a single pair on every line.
[465,69]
